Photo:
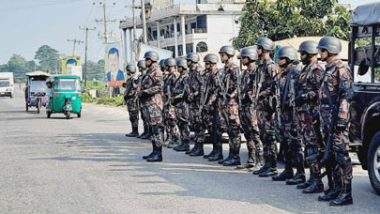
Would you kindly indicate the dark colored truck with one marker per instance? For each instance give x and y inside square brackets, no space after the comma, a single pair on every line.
[364,60]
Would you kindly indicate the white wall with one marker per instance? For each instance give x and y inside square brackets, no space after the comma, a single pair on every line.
[221,30]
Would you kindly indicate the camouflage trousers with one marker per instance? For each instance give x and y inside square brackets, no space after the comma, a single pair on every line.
[153,115]
[212,123]
[133,111]
[267,136]
[171,123]
[182,115]
[341,163]
[249,123]
[291,141]
[310,132]
[230,116]
[197,124]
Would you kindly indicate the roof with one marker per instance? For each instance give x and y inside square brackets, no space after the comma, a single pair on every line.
[66,77]
[186,9]
[37,73]
[367,14]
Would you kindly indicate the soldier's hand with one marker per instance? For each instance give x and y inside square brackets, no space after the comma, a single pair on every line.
[341,125]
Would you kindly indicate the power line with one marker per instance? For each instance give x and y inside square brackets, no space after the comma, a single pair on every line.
[85,52]
[75,41]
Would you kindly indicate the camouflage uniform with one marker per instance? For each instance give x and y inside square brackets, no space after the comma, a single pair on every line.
[131,101]
[248,116]
[308,85]
[266,70]
[336,84]
[152,105]
[194,99]
[229,108]
[169,110]
[180,92]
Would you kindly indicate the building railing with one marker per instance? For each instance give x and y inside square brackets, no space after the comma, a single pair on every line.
[171,34]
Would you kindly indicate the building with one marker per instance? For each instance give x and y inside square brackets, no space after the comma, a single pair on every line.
[202,27]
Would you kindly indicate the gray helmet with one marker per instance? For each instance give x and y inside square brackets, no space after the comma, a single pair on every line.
[288,52]
[162,63]
[141,64]
[130,68]
[249,52]
[181,62]
[331,44]
[152,55]
[266,43]
[192,57]
[170,62]
[309,46]
[227,49]
[211,58]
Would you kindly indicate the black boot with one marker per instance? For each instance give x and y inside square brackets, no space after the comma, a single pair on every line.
[157,156]
[210,154]
[270,171]
[286,174]
[199,151]
[218,154]
[144,132]
[228,158]
[345,197]
[262,169]
[331,194]
[183,147]
[151,154]
[315,186]
[173,144]
[134,133]
[235,159]
[304,185]
[195,147]
[299,178]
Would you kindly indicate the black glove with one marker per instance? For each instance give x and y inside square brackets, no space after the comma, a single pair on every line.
[300,100]
[341,125]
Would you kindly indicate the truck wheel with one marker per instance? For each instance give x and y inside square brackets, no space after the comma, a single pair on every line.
[48,114]
[79,114]
[374,162]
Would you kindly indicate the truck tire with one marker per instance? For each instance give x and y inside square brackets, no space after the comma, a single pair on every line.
[374,162]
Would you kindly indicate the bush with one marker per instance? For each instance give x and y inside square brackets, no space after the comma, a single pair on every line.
[86,98]
[116,101]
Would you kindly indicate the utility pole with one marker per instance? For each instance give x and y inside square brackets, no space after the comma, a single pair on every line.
[85,53]
[104,20]
[75,41]
[144,22]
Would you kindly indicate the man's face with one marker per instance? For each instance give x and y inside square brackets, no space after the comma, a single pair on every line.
[148,62]
[223,57]
[324,54]
[282,62]
[113,61]
[180,70]
[245,60]
[303,56]
[189,62]
[171,69]
[259,50]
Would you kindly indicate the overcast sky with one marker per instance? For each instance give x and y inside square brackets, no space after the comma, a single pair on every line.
[27,24]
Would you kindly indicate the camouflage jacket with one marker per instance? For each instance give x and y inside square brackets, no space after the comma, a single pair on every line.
[181,88]
[266,71]
[308,85]
[195,84]
[336,82]
[131,86]
[151,86]
[248,87]
[212,86]
[169,85]
[228,90]
[285,85]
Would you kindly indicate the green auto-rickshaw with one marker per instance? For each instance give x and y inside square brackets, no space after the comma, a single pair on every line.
[65,96]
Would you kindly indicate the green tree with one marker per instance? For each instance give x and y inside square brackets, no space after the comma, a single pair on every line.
[95,70]
[18,65]
[48,58]
[283,19]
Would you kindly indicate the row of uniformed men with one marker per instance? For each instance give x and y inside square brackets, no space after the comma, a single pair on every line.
[306,110]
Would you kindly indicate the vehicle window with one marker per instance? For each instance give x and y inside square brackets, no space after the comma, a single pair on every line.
[38,86]
[4,83]
[66,84]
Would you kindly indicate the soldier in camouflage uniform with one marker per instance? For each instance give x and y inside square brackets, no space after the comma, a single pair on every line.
[131,101]
[308,83]
[266,70]
[194,99]
[151,99]
[210,106]
[179,100]
[286,95]
[169,109]
[141,66]
[229,106]
[248,117]
[334,95]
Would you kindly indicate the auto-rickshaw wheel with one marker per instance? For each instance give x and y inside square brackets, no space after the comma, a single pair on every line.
[67,114]
[26,107]
[48,114]
[79,114]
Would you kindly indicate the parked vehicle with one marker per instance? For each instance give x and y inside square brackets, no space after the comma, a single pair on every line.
[36,90]
[6,84]
[65,96]
[365,112]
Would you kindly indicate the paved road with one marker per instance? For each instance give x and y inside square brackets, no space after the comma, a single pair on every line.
[86,165]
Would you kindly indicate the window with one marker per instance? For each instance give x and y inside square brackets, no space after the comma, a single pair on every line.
[67,84]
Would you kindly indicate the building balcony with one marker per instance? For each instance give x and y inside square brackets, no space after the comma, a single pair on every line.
[198,35]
